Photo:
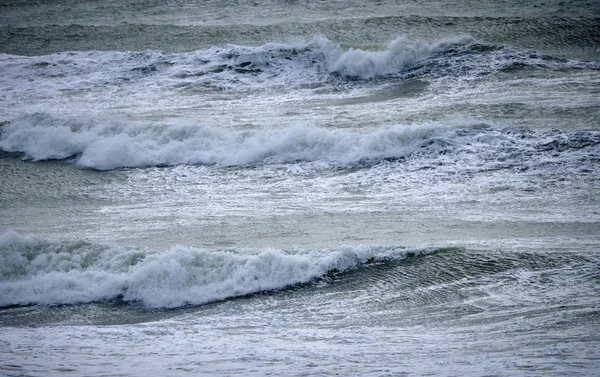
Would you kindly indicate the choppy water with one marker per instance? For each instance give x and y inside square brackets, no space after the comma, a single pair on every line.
[299,188]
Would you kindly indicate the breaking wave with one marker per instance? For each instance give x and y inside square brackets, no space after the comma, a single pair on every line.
[37,271]
[270,66]
[112,144]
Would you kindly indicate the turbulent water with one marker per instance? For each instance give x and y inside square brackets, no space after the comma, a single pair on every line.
[299,188]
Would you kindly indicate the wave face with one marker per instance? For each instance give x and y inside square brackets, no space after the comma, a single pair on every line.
[37,271]
[112,145]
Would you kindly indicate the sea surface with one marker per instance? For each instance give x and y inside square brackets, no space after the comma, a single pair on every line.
[299,188]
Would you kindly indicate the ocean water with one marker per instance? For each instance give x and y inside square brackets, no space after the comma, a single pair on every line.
[299,188]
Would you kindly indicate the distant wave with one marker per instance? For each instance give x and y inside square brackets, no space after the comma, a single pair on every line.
[111,144]
[37,271]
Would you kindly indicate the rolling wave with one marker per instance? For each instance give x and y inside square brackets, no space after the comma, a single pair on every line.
[37,271]
[111,145]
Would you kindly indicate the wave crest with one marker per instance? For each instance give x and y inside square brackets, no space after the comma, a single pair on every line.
[399,55]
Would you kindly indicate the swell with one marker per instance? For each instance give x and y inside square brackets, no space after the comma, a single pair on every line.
[38,271]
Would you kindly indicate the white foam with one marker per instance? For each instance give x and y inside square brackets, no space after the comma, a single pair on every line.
[34,271]
[111,145]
